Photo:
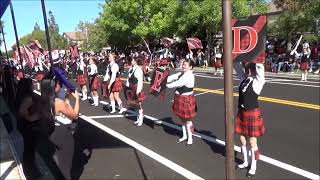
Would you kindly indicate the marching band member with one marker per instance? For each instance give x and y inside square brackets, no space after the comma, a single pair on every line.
[94,81]
[115,84]
[184,105]
[304,65]
[249,123]
[135,85]
[81,78]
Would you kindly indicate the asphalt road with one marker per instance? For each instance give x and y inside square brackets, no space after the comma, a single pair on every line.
[104,146]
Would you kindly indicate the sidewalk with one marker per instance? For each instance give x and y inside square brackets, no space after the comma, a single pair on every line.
[295,75]
[10,166]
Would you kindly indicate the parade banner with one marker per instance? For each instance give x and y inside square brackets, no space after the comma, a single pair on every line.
[249,38]
[158,82]
[194,43]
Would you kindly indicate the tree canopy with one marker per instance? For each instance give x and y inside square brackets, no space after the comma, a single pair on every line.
[125,23]
[298,16]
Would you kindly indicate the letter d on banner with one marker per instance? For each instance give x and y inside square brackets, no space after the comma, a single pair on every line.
[253,39]
[249,38]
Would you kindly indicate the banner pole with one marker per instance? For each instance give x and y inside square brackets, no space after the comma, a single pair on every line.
[17,39]
[47,33]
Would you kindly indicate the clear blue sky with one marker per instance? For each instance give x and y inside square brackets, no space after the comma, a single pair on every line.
[67,13]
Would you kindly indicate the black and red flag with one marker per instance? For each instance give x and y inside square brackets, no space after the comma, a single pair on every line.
[194,43]
[159,81]
[249,38]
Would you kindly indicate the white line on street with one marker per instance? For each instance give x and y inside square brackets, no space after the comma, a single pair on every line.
[111,116]
[175,167]
[294,84]
[236,148]
[200,93]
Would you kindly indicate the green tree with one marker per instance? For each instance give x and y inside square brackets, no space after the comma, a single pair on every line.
[298,16]
[57,41]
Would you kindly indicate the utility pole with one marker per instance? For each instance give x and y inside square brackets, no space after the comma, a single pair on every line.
[228,88]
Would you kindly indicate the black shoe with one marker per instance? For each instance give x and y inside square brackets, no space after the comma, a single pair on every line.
[249,175]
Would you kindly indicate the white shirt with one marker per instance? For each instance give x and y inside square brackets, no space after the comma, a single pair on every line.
[93,69]
[81,64]
[187,79]
[114,70]
[138,73]
[258,79]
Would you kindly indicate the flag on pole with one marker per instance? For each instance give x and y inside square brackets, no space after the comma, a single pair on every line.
[74,52]
[249,38]
[36,48]
[30,57]
[167,42]
[3,6]
[194,43]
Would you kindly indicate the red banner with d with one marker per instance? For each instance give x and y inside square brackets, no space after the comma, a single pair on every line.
[249,38]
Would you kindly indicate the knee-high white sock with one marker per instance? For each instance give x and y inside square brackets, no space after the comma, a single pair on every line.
[140,117]
[113,106]
[97,101]
[305,76]
[84,95]
[302,76]
[189,132]
[184,133]
[254,157]
[245,157]
[120,104]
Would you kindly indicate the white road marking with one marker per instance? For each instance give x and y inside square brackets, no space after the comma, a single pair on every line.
[180,169]
[175,167]
[269,81]
[264,158]
[111,116]
[202,93]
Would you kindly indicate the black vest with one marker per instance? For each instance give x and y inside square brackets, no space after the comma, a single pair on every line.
[110,72]
[248,99]
[133,80]
[183,89]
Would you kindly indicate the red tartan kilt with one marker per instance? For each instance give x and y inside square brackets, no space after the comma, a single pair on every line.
[116,86]
[95,83]
[81,79]
[218,63]
[249,123]
[304,66]
[39,76]
[141,96]
[184,106]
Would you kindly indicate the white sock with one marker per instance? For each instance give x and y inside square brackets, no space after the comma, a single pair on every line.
[184,133]
[84,95]
[120,105]
[305,76]
[254,158]
[189,132]
[140,117]
[113,106]
[245,157]
[302,76]
[97,101]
